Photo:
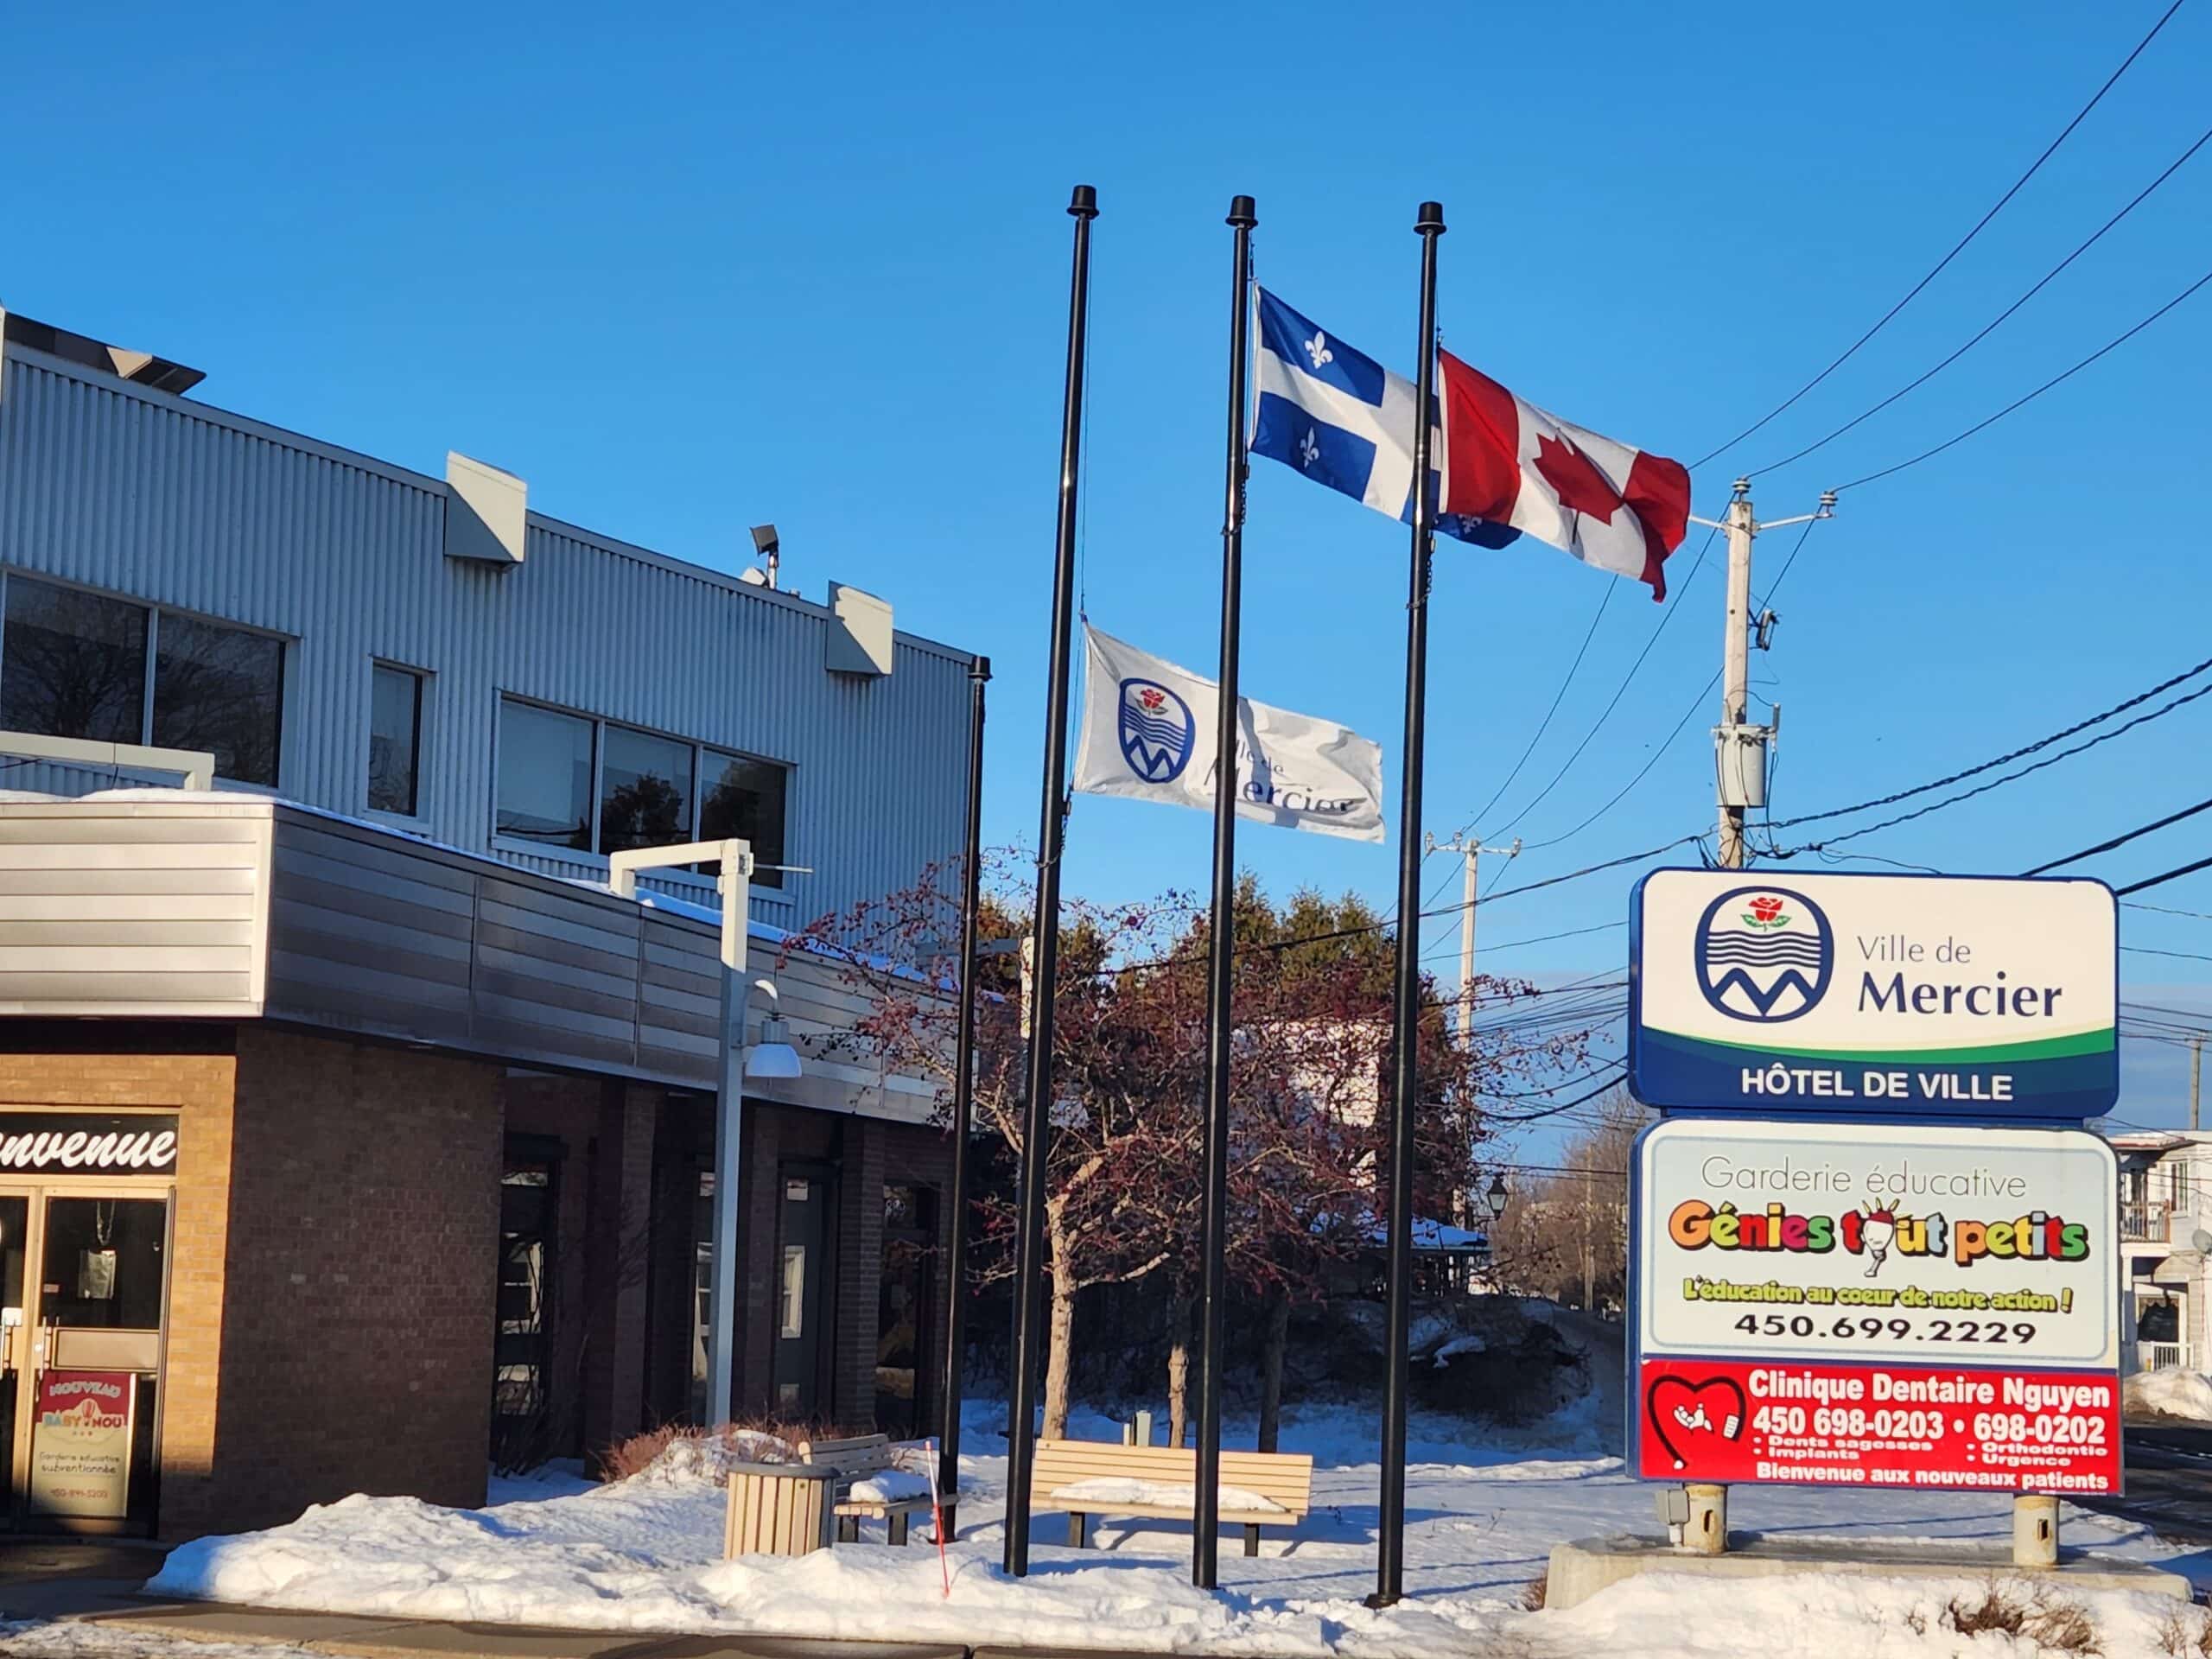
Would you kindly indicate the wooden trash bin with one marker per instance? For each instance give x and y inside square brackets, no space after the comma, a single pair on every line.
[779,1508]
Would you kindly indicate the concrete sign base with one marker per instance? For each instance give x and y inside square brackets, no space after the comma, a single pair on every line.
[1581,1569]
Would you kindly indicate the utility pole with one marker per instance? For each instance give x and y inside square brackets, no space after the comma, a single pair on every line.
[1740,780]
[1589,1249]
[1471,854]
[2195,1078]
[1741,747]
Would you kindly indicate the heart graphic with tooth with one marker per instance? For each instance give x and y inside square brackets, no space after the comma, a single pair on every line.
[1680,1411]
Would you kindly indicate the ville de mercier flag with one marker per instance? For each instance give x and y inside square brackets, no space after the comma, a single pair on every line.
[1148,734]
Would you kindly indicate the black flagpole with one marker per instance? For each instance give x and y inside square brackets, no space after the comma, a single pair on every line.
[1405,1083]
[1045,927]
[963,1102]
[1205,1537]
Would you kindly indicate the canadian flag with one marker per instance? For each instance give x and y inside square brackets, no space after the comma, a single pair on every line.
[1607,503]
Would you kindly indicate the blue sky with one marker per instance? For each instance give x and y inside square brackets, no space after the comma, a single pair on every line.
[808,264]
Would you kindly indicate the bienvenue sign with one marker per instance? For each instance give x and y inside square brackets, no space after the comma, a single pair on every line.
[47,1143]
[1917,996]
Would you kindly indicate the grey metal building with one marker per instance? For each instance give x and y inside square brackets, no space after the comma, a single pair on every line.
[357,1127]
[430,654]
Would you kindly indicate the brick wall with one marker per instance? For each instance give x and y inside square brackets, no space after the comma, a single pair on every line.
[198,1088]
[357,1281]
[859,1274]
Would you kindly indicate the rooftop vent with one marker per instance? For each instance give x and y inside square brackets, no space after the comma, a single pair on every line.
[141,368]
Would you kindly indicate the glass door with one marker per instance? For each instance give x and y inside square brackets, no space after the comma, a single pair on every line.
[14,1331]
[88,1387]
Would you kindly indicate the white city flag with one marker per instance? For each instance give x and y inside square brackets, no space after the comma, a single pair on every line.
[1148,734]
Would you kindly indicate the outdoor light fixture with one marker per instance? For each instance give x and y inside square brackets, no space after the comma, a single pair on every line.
[1494,1195]
[765,544]
[773,1055]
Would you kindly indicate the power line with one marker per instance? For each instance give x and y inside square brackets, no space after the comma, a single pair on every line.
[1979,224]
[1540,938]
[1696,565]
[2041,743]
[2168,909]
[1604,598]
[1992,326]
[2184,956]
[1554,1111]
[1668,742]
[2082,747]
[2121,841]
[2057,379]
[2186,869]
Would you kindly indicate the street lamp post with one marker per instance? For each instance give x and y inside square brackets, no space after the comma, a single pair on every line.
[774,1058]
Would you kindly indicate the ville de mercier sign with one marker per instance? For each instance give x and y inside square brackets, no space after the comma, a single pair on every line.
[1872,1245]
[1914,996]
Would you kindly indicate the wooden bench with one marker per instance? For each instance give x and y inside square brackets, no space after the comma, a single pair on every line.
[855,1460]
[1283,1479]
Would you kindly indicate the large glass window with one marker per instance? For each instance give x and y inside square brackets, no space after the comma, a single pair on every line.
[544,776]
[394,736]
[652,791]
[220,689]
[744,797]
[644,790]
[73,664]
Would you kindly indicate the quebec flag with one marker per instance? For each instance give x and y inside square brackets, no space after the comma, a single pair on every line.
[1341,418]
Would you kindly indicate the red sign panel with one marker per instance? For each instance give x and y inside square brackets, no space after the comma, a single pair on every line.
[1924,1427]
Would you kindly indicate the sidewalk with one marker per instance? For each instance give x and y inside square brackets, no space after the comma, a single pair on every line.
[407,1638]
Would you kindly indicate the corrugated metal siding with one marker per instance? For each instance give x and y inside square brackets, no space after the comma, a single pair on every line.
[160,498]
[124,915]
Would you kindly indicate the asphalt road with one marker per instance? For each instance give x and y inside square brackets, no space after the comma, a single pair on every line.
[2168,1482]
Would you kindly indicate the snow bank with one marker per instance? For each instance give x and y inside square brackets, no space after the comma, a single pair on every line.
[2170,1393]
[1483,1510]
[1675,1615]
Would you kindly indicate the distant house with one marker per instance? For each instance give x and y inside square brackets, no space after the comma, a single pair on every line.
[2165,1250]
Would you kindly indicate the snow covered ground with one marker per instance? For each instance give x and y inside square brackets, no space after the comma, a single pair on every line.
[1484,1509]
[2170,1393]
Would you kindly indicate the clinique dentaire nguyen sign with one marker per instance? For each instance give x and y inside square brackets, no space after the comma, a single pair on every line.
[1917,996]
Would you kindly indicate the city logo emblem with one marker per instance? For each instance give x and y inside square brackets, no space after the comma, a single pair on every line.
[1157,731]
[1765,954]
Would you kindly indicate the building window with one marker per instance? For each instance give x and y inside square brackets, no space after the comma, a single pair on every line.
[650,791]
[76,665]
[394,738]
[73,664]
[220,689]
[744,797]
[545,776]
[644,791]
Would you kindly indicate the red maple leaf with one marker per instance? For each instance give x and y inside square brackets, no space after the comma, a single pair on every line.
[1580,487]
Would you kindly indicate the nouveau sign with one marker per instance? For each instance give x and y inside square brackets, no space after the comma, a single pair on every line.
[1875,1304]
[82,1143]
[1917,996]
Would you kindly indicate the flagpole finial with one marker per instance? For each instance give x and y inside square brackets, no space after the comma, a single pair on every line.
[1243,211]
[1084,203]
[1431,220]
